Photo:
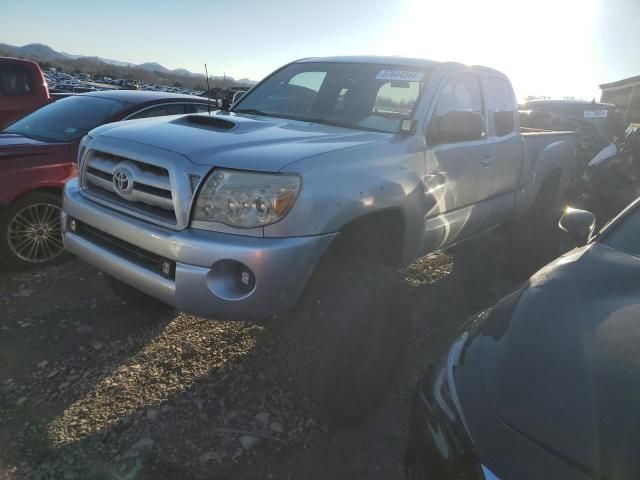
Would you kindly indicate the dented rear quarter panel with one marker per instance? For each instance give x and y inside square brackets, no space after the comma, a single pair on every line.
[545,153]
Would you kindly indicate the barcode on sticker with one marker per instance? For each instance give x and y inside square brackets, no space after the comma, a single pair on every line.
[595,113]
[400,75]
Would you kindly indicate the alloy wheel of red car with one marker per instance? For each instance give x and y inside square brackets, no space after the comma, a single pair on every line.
[34,233]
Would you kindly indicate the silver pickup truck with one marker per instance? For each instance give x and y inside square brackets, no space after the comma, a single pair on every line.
[343,168]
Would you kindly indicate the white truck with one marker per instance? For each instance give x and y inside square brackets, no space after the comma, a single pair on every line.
[325,176]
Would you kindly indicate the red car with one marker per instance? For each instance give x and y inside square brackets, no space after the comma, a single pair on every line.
[38,155]
[23,89]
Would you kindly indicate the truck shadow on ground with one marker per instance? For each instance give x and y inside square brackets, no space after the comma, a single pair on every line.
[55,347]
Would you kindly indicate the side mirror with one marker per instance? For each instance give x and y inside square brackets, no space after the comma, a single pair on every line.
[237,96]
[580,224]
[457,126]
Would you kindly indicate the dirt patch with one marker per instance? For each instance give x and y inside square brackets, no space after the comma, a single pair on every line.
[91,387]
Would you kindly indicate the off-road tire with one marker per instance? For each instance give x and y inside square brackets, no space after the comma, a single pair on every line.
[8,218]
[347,336]
[413,469]
[133,296]
[480,270]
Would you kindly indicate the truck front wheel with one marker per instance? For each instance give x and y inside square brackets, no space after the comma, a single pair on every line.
[349,335]
[533,239]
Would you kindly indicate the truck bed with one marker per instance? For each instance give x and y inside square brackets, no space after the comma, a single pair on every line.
[545,151]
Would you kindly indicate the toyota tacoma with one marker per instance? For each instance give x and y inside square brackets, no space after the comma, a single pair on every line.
[312,189]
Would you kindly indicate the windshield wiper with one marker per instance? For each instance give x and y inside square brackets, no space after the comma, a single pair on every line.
[332,123]
[319,120]
[253,111]
[31,136]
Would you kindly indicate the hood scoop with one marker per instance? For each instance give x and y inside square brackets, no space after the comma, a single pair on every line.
[209,121]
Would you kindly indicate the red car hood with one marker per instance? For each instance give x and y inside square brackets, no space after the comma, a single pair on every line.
[13,145]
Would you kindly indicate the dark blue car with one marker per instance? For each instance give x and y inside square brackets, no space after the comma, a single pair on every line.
[546,384]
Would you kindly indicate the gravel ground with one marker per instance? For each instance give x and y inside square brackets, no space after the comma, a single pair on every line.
[91,387]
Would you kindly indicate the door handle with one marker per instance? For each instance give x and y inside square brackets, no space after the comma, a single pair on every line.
[486,160]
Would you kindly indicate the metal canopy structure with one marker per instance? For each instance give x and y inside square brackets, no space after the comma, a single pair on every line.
[625,94]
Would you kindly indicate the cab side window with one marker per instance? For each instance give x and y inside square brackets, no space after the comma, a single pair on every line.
[161,110]
[504,106]
[461,93]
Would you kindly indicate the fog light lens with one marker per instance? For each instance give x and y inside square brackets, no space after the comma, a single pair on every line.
[231,280]
[167,268]
[73,225]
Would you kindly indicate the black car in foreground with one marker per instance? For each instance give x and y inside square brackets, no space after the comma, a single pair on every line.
[546,384]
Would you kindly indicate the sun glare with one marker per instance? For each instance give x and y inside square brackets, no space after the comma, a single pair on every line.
[534,43]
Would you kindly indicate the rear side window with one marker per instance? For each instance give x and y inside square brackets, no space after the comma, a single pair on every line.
[161,110]
[15,80]
[504,106]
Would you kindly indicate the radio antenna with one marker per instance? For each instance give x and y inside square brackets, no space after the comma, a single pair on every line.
[208,90]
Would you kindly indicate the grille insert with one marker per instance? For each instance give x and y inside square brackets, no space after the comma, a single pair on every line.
[143,188]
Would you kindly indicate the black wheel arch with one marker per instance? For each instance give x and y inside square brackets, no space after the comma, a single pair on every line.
[379,236]
[44,189]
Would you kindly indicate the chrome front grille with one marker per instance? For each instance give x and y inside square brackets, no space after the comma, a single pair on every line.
[134,185]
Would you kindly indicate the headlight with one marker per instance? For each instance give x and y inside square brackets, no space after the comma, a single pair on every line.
[246,199]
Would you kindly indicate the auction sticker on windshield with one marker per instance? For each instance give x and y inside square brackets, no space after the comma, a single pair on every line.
[595,113]
[400,75]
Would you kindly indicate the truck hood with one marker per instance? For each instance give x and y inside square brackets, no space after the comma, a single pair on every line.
[239,141]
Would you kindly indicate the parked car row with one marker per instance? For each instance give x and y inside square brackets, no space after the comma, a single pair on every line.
[65,82]
[169,89]
[73,82]
[24,87]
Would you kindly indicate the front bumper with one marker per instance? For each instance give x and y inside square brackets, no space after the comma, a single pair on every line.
[438,445]
[440,442]
[281,266]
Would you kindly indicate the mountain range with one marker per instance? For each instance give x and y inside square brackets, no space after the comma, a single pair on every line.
[43,52]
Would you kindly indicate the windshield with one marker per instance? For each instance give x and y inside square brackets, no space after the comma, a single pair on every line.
[67,119]
[626,236]
[363,96]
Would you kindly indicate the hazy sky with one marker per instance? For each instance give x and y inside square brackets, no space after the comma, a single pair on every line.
[547,47]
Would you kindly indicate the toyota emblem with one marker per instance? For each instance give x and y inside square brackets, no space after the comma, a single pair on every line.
[122,181]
